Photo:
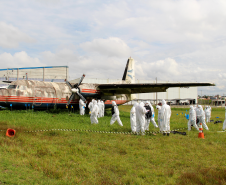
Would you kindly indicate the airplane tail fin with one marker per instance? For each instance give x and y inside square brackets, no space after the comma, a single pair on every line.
[129,73]
[129,76]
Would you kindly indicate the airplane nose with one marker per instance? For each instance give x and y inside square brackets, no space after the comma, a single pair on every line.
[74,90]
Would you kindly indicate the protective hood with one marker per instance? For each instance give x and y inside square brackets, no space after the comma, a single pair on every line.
[142,104]
[163,102]
[158,107]
[200,106]
[94,102]
[135,104]
[113,103]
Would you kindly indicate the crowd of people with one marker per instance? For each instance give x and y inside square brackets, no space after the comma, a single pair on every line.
[96,110]
[197,115]
[141,115]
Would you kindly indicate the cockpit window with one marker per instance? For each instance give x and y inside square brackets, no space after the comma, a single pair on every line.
[12,86]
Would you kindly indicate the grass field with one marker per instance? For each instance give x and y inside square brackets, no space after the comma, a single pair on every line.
[81,157]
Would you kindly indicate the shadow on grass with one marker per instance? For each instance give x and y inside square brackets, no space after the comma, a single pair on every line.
[5,125]
[204,176]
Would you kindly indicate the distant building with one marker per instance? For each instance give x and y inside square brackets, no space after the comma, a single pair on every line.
[218,102]
[48,73]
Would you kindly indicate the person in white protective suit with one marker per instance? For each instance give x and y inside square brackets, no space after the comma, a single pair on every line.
[192,118]
[205,110]
[224,124]
[207,114]
[90,106]
[103,106]
[140,118]
[100,108]
[159,118]
[94,113]
[149,117]
[133,118]
[115,114]
[195,107]
[200,114]
[165,116]
[210,111]
[82,106]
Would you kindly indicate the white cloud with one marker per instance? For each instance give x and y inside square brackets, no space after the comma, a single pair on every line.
[94,66]
[170,70]
[175,21]
[100,66]
[171,40]
[48,2]
[112,47]
[10,36]
[18,60]
[162,69]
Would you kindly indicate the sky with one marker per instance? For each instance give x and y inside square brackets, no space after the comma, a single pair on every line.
[171,40]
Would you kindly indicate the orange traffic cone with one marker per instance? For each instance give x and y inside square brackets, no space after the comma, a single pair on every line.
[201,134]
[10,132]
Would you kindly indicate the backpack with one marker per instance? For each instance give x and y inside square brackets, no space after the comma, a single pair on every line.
[149,113]
[112,110]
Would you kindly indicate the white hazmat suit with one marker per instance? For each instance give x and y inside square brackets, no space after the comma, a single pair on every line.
[201,117]
[133,117]
[115,114]
[90,106]
[103,106]
[100,108]
[195,107]
[210,111]
[192,118]
[140,117]
[198,113]
[159,118]
[149,119]
[207,113]
[224,124]
[94,113]
[82,106]
[165,116]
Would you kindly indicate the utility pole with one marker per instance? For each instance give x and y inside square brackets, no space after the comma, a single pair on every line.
[201,97]
[156,94]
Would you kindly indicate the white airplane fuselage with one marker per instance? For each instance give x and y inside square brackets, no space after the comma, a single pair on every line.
[39,95]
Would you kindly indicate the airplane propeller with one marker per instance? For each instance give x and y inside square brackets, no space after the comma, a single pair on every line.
[75,90]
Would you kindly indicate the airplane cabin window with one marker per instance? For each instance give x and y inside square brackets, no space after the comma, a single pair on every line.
[12,86]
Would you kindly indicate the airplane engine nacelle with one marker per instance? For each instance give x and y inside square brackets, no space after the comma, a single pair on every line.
[108,97]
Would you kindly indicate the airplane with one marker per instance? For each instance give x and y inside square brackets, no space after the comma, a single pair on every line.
[21,94]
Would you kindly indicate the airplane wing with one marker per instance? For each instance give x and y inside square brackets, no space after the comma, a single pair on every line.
[145,87]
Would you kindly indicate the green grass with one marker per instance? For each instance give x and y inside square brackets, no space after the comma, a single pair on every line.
[65,157]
